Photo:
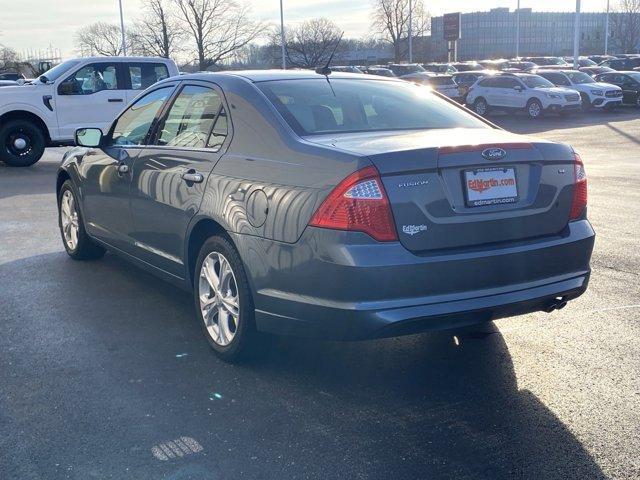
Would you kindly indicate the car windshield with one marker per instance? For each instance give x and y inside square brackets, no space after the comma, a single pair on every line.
[580,77]
[318,106]
[635,76]
[56,72]
[587,62]
[535,81]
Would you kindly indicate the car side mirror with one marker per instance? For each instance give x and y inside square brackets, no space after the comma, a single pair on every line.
[88,137]
[68,88]
[518,88]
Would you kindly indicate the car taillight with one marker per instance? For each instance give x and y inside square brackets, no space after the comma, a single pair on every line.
[358,203]
[579,202]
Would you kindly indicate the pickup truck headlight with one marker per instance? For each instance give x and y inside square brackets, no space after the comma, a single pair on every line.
[553,95]
[597,92]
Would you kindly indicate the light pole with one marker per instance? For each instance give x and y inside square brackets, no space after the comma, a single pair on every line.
[124,44]
[518,31]
[576,36]
[410,39]
[284,60]
[606,31]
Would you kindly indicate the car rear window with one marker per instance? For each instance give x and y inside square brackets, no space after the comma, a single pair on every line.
[318,106]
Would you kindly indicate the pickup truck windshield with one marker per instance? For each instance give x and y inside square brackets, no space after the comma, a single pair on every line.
[54,73]
[318,106]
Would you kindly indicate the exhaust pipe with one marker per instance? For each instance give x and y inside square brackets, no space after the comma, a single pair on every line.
[557,303]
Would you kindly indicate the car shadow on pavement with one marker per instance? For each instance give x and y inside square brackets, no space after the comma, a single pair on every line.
[102,361]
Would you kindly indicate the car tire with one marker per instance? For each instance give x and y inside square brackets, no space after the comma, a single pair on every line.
[586,102]
[22,143]
[481,107]
[230,316]
[534,108]
[75,239]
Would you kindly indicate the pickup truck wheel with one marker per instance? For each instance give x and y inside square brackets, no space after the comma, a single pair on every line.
[22,143]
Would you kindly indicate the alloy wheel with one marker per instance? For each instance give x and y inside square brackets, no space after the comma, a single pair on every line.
[69,220]
[219,298]
[534,109]
[481,108]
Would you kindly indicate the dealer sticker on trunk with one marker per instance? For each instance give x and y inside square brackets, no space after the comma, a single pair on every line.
[490,186]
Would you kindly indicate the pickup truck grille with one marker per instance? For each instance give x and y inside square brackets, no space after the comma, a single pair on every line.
[572,97]
[613,93]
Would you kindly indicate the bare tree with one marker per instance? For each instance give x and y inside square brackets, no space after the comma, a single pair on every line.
[391,19]
[158,32]
[310,44]
[99,38]
[625,25]
[217,28]
[8,58]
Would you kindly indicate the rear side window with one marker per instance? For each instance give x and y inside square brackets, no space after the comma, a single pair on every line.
[196,119]
[488,82]
[133,125]
[317,106]
[143,75]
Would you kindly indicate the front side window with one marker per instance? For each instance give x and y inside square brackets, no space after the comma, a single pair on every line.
[196,119]
[133,125]
[317,106]
[92,78]
[143,75]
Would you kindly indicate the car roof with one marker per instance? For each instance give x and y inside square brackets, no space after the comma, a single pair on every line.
[122,59]
[270,75]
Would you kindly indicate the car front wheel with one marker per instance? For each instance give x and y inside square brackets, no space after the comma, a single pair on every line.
[481,107]
[76,242]
[22,143]
[223,300]
[534,108]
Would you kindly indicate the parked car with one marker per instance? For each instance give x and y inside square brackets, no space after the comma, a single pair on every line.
[467,66]
[401,70]
[582,62]
[445,85]
[439,68]
[521,91]
[520,65]
[346,69]
[629,82]
[465,81]
[500,64]
[13,76]
[600,58]
[622,64]
[82,91]
[380,71]
[293,203]
[548,63]
[593,71]
[594,94]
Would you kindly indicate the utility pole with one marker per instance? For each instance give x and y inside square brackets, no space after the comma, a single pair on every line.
[606,31]
[576,36]
[284,60]
[410,39]
[124,44]
[518,31]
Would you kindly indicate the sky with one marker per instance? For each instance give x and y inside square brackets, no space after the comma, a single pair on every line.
[45,24]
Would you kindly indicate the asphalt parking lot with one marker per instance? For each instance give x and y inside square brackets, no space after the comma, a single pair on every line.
[105,373]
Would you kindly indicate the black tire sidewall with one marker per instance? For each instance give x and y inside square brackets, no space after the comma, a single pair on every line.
[246,331]
[36,136]
[85,249]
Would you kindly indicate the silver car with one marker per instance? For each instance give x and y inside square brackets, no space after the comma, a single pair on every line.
[341,206]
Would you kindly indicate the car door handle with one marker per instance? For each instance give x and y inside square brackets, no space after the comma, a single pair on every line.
[123,168]
[192,176]
[115,100]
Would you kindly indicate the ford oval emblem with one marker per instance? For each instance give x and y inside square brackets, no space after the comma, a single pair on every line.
[494,153]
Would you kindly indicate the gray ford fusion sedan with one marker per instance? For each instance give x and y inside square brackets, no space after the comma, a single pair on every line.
[341,206]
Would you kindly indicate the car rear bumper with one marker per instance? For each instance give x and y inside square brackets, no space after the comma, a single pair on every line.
[331,286]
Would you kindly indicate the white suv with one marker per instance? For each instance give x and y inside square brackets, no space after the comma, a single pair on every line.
[83,92]
[521,91]
[594,94]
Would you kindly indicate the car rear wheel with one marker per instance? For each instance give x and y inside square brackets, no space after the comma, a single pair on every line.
[22,143]
[76,242]
[534,108]
[481,107]
[223,300]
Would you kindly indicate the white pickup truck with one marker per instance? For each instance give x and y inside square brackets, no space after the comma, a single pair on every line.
[83,92]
